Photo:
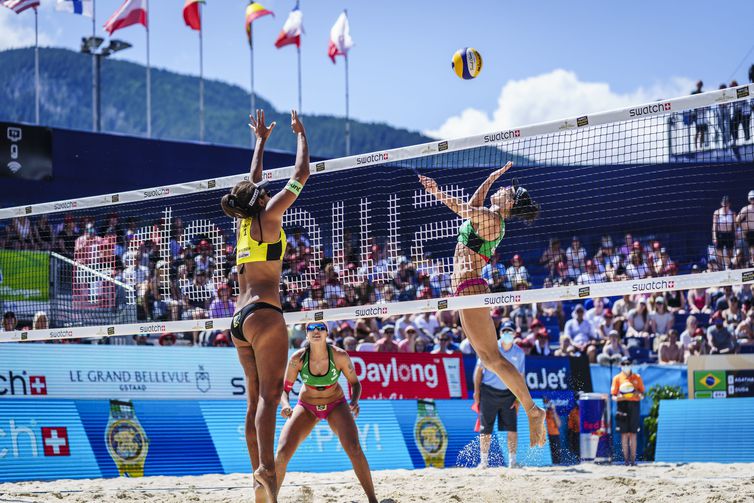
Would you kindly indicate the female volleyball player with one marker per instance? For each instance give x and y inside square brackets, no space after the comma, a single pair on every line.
[478,237]
[321,397]
[258,328]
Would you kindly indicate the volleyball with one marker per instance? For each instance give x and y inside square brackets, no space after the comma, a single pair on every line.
[467,63]
[627,389]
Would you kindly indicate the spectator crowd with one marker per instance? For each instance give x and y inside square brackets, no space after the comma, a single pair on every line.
[726,125]
[666,327]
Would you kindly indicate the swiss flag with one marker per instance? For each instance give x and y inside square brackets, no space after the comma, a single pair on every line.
[55,441]
[38,385]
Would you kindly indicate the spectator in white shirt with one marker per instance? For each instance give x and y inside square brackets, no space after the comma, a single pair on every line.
[591,275]
[427,323]
[580,332]
[637,269]
[134,273]
[316,295]
[687,335]
[517,273]
[576,256]
[638,323]
[596,315]
[660,320]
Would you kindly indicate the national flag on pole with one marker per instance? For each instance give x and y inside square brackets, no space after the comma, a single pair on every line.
[254,11]
[191,14]
[18,6]
[81,7]
[130,13]
[292,29]
[340,38]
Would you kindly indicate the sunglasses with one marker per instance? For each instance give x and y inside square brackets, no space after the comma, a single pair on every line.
[311,327]
[444,339]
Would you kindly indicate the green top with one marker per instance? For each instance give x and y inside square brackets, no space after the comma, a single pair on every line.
[469,238]
[320,382]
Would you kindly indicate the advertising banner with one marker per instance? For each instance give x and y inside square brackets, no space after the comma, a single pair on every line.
[24,276]
[134,438]
[409,375]
[553,377]
[125,372]
[44,441]
[46,371]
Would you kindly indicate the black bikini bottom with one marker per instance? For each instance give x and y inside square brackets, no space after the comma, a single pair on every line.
[236,326]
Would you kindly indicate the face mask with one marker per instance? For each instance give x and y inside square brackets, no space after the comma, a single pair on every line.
[507,337]
[626,369]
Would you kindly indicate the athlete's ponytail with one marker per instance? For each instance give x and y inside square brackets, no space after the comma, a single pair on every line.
[243,200]
[523,206]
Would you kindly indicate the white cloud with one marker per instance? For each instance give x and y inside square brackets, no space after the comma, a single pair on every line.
[17,30]
[551,96]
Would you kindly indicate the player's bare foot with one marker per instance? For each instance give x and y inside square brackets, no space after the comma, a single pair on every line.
[268,480]
[260,494]
[537,432]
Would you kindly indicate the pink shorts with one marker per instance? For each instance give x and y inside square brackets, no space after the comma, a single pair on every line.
[469,283]
[322,411]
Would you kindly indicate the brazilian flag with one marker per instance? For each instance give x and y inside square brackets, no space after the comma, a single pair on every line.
[708,381]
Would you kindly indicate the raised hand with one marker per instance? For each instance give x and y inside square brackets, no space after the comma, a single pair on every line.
[430,185]
[296,125]
[258,125]
[498,172]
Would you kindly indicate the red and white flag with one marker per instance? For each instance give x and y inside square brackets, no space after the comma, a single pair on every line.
[192,14]
[340,38]
[130,13]
[292,29]
[18,6]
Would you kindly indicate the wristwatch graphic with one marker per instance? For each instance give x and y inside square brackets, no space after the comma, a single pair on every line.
[430,435]
[126,440]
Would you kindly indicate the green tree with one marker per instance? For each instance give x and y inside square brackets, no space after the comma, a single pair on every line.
[657,393]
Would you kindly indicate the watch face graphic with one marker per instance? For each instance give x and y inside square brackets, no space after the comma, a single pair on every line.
[127,441]
[430,436]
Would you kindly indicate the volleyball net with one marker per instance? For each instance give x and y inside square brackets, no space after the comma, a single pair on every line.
[626,206]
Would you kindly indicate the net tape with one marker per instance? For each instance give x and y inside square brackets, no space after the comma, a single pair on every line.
[574,292]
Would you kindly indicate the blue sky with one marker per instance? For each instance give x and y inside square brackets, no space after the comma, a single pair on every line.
[542,60]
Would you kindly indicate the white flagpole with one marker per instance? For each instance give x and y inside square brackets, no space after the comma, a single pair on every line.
[298,53]
[201,77]
[348,125]
[149,80]
[36,65]
[94,68]
[251,61]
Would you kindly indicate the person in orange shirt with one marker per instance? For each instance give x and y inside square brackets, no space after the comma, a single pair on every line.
[628,391]
[553,429]
[574,431]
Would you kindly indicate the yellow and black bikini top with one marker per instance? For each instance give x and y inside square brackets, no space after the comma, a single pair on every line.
[250,250]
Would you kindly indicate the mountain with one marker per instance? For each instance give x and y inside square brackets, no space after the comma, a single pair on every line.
[66,100]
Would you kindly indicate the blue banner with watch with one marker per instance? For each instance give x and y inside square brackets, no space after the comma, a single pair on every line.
[53,439]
